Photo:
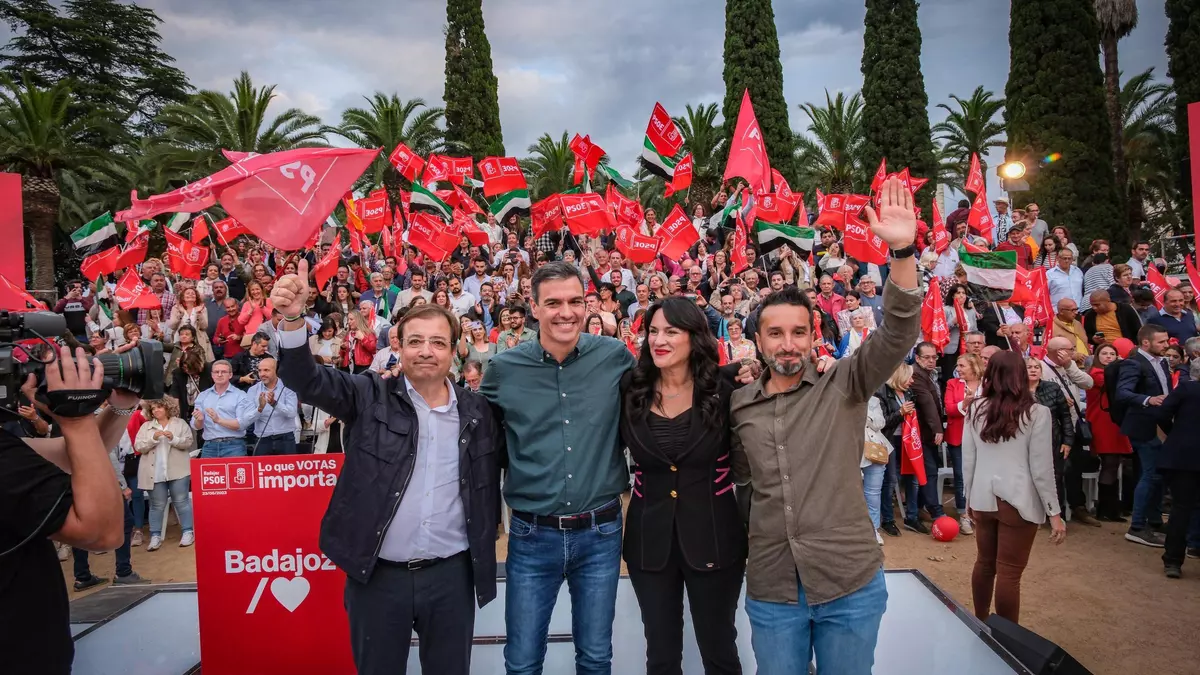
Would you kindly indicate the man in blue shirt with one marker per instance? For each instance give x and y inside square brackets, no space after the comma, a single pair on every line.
[1180,323]
[277,414]
[560,398]
[224,413]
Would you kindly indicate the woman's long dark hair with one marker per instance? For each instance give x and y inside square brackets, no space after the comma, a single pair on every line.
[1009,400]
[948,296]
[643,393]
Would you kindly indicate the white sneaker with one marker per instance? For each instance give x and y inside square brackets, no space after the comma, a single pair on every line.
[137,539]
[878,538]
[64,551]
[188,539]
[965,526]
[155,544]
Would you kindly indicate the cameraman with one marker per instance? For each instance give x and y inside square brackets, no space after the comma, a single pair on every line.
[63,489]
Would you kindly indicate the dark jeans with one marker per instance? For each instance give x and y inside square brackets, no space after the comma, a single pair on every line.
[713,597]
[438,602]
[917,496]
[960,498]
[83,572]
[138,503]
[278,444]
[1183,526]
[1147,496]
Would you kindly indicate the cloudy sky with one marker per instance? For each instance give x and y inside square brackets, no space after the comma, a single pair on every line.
[585,67]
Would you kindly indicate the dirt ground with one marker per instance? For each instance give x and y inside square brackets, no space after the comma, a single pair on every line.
[1100,597]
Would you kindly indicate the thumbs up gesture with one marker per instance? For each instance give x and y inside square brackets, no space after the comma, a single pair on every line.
[290,292]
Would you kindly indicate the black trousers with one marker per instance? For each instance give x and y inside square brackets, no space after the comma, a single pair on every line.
[438,601]
[713,597]
[1185,490]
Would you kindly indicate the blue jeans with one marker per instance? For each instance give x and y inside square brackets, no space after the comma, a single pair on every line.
[840,633]
[1147,496]
[138,502]
[178,490]
[960,498]
[872,483]
[539,558]
[917,496]
[223,447]
[278,444]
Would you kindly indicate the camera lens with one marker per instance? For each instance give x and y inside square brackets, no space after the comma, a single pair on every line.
[138,370]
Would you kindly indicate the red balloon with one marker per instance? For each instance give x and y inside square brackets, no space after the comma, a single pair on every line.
[945,529]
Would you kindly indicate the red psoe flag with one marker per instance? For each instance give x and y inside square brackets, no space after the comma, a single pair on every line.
[737,253]
[466,203]
[373,212]
[677,234]
[627,211]
[427,233]
[134,252]
[781,186]
[862,244]
[912,458]
[546,215]
[682,178]
[975,184]
[327,266]
[132,293]
[979,219]
[748,152]
[500,175]
[228,229]
[880,175]
[663,133]
[1193,275]
[407,162]
[281,197]
[185,258]
[941,236]
[933,318]
[199,229]
[99,264]
[636,247]
[461,168]
[437,168]
[1158,284]
[577,174]
[386,243]
[24,295]
[464,224]
[586,214]
[831,211]
[587,151]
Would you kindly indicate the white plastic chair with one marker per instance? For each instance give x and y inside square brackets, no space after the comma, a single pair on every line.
[944,475]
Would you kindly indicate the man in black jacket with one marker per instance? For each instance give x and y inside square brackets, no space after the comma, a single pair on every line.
[413,518]
[1143,383]
[931,418]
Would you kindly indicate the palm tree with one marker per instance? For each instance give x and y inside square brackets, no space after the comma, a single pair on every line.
[1148,127]
[832,157]
[972,128]
[388,122]
[549,167]
[41,139]
[1117,19]
[704,137]
[212,121]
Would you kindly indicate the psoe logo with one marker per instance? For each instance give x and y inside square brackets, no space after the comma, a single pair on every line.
[241,475]
[213,479]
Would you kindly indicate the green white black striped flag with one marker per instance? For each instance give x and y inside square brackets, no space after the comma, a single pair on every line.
[425,200]
[616,177]
[775,235]
[508,203]
[991,275]
[95,236]
[659,165]
[177,221]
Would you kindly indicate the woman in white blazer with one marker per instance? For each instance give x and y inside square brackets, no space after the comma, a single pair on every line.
[1008,475]
[165,442]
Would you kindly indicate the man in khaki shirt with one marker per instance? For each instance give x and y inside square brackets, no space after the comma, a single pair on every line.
[815,573]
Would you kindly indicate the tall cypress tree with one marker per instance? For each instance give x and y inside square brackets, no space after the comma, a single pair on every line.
[895,113]
[1183,67]
[472,107]
[752,62]
[1055,106]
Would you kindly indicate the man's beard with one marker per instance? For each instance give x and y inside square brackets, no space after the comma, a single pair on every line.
[787,370]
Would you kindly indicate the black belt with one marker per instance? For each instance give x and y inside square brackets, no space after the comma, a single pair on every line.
[419,564]
[578,521]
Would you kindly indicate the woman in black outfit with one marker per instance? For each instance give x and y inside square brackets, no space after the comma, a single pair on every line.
[683,529]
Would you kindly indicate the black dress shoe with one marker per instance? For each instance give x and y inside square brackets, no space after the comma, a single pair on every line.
[1173,571]
[91,581]
[890,529]
[916,526]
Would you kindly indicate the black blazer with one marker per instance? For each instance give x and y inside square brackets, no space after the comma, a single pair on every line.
[1181,414]
[989,323]
[1136,382]
[710,530]
[1127,319]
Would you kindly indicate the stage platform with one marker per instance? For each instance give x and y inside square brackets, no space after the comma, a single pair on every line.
[153,630]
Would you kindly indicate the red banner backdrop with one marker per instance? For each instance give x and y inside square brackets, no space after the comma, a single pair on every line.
[1194,142]
[12,229]
[270,602]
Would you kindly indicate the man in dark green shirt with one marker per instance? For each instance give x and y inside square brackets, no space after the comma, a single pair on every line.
[559,396]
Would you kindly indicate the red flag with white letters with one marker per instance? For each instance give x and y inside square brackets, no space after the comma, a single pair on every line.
[663,133]
[881,175]
[627,211]
[677,234]
[500,175]
[941,236]
[748,152]
[979,220]
[407,162]
[185,258]
[1158,284]
[975,184]
[586,213]
[933,318]
[546,215]
[862,244]
[636,247]
[428,234]
[132,293]
[327,266]
[682,178]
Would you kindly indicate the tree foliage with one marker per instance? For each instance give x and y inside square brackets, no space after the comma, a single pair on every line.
[472,104]
[895,118]
[752,62]
[832,156]
[386,123]
[971,127]
[1055,104]
[108,50]
[1147,135]
[1183,67]
[704,137]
